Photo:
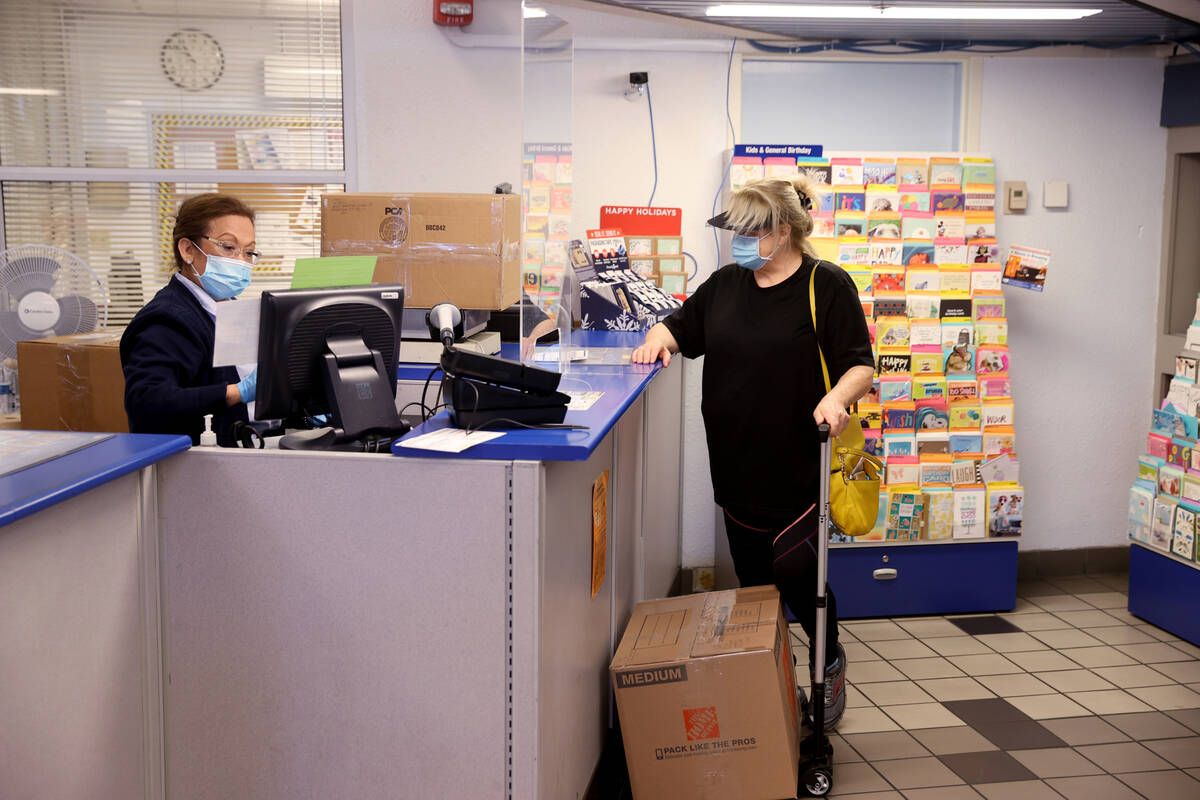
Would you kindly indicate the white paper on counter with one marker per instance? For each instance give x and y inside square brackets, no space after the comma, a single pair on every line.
[551,354]
[581,401]
[449,440]
[237,333]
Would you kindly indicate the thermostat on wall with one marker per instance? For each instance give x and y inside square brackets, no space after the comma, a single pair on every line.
[1016,197]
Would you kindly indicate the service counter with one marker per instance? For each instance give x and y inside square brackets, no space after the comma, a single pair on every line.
[354,626]
[80,675]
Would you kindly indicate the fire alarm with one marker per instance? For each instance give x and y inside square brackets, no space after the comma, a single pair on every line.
[453,12]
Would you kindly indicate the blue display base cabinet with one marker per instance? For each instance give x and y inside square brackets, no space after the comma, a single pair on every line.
[880,580]
[1164,590]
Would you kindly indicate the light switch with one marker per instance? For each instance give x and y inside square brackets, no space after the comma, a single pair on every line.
[1054,194]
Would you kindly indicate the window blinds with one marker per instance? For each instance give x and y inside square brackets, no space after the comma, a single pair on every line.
[113,111]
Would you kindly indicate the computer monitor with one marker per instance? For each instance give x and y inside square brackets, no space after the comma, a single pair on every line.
[331,351]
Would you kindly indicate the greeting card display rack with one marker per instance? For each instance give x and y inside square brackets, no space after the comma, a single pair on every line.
[1164,505]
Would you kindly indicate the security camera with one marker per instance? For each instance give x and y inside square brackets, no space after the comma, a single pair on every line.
[638,82]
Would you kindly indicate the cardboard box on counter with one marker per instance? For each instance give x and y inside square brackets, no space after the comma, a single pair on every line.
[445,248]
[73,383]
[706,692]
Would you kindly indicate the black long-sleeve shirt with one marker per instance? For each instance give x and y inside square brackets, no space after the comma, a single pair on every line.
[762,377]
[170,383]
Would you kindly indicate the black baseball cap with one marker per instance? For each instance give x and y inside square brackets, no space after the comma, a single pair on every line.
[722,221]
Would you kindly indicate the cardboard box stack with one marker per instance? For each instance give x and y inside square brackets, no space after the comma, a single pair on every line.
[445,248]
[73,383]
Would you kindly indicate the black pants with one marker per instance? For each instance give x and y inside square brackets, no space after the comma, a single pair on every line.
[783,551]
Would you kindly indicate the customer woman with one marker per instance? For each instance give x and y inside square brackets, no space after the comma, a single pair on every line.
[167,350]
[763,394]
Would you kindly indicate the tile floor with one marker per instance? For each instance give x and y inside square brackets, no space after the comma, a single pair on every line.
[1067,696]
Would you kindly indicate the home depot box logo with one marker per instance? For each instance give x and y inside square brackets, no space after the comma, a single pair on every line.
[701,723]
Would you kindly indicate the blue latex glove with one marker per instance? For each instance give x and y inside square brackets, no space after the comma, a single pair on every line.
[248,386]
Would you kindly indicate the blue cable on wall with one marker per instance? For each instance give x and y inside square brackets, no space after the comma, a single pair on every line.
[695,267]
[729,165]
[653,146]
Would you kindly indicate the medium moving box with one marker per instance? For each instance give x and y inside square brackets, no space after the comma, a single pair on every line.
[72,383]
[445,248]
[706,694]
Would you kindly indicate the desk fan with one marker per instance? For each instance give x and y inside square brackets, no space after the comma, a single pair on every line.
[45,291]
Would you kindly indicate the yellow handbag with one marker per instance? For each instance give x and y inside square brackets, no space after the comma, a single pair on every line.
[854,474]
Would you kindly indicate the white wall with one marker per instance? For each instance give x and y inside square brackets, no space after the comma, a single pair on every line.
[1082,351]
[433,117]
[613,167]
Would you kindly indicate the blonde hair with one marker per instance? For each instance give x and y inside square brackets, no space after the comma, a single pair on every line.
[767,203]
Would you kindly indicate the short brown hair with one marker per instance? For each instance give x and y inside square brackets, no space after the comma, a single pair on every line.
[195,214]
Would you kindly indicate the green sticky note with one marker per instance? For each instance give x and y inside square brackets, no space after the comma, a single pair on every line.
[320,273]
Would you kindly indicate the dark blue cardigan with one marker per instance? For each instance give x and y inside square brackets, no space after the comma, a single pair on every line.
[170,383]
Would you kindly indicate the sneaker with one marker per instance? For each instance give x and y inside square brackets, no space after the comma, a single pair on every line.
[835,695]
[802,705]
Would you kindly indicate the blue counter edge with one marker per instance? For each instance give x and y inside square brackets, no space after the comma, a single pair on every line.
[539,445]
[60,479]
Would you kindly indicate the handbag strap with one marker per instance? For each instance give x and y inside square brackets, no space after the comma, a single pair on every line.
[812,307]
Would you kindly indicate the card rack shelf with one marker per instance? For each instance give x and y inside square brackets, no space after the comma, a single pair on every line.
[1164,590]
[924,578]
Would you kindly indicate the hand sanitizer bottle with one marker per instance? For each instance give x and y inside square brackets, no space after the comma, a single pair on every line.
[208,438]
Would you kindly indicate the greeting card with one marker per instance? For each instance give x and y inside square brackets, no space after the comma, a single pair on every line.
[847,172]
[917,253]
[929,387]
[912,173]
[917,225]
[991,359]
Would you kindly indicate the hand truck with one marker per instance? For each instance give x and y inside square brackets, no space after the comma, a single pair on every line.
[816,752]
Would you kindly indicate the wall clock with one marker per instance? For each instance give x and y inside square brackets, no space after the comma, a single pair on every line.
[192,59]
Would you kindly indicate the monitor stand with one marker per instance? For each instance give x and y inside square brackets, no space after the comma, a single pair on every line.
[327,439]
[362,401]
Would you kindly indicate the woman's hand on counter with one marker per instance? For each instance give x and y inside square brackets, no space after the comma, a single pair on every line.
[649,353]
[659,344]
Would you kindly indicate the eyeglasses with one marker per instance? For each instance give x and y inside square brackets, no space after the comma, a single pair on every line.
[230,251]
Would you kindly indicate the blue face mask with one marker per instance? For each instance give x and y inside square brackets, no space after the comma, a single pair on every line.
[224,278]
[745,252]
